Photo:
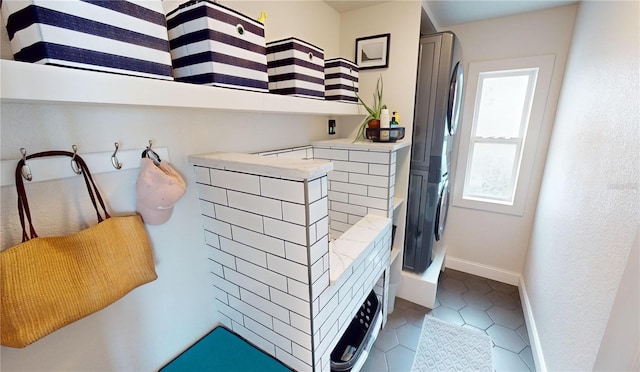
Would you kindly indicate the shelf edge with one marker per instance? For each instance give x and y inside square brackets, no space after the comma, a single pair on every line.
[34,83]
[395,252]
[397,202]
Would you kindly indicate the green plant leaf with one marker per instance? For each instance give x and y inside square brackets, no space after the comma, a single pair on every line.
[373,111]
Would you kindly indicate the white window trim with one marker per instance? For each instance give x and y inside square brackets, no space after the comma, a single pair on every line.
[545,65]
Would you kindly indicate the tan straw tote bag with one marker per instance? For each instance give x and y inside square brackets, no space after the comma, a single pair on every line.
[49,282]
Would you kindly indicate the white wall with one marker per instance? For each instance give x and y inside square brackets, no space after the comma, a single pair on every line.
[620,346]
[402,20]
[155,322]
[487,243]
[152,324]
[400,77]
[309,20]
[301,19]
[588,211]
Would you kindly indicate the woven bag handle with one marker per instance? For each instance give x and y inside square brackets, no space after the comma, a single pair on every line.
[23,204]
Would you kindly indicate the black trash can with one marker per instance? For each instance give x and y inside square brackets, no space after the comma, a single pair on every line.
[356,337]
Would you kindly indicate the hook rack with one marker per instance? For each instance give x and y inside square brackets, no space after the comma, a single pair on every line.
[46,169]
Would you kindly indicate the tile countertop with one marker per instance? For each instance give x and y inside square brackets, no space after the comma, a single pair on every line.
[279,167]
[348,143]
[346,249]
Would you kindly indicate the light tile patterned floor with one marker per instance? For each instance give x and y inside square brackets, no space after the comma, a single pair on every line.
[465,300]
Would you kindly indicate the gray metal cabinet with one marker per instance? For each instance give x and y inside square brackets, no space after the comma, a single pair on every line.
[430,147]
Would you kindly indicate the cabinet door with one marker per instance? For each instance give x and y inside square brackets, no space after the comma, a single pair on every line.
[421,212]
[426,91]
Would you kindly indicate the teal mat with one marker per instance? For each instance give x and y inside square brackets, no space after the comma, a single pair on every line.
[223,350]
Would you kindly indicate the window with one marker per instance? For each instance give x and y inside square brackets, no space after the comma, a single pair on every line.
[500,121]
[504,107]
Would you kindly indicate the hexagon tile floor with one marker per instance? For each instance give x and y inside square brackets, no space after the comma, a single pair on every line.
[465,300]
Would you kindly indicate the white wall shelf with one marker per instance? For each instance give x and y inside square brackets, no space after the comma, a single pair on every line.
[395,252]
[397,202]
[33,83]
[397,247]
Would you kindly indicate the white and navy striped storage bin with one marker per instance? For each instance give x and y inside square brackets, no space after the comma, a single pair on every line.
[295,68]
[124,37]
[215,45]
[340,80]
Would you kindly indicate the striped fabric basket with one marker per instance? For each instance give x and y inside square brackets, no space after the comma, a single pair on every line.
[295,68]
[124,37]
[340,80]
[214,45]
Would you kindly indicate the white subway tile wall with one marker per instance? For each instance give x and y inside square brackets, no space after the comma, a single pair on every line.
[332,154]
[303,152]
[361,183]
[258,238]
[335,314]
[282,189]
[296,253]
[207,208]
[255,204]
[235,181]
[237,217]
[269,258]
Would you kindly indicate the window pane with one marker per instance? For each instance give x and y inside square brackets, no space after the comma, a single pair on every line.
[502,103]
[491,172]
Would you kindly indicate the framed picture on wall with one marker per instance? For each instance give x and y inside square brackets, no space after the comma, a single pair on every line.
[373,51]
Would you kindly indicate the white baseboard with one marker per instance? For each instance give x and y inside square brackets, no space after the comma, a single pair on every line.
[485,271]
[532,330]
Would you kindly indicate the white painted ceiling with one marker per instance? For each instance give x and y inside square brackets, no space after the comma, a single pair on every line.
[348,5]
[451,12]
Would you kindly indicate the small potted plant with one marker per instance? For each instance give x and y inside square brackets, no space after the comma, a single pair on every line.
[372,120]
